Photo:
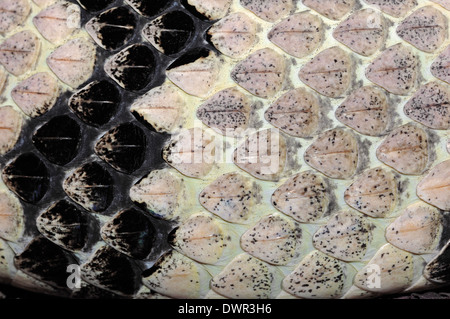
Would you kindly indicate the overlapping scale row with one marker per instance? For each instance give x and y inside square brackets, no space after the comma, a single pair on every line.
[232,149]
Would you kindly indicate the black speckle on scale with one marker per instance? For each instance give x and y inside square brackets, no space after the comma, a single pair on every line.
[27,177]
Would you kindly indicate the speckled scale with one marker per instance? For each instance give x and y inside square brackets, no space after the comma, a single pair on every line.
[19,52]
[426,29]
[299,34]
[96,103]
[227,112]
[111,270]
[269,10]
[200,238]
[332,9]
[171,32]
[373,192]
[430,106]
[303,196]
[149,9]
[438,269]
[334,153]
[395,69]
[364,32]
[347,236]
[90,186]
[67,226]
[191,151]
[11,122]
[45,261]
[393,267]
[234,35]
[433,187]
[395,8]
[262,73]
[274,239]
[130,232]
[58,22]
[160,193]
[12,14]
[330,72]
[440,68]
[366,110]
[94,6]
[73,62]
[176,276]
[405,149]
[163,108]
[112,28]
[317,276]
[123,147]
[263,155]
[58,139]
[296,112]
[211,9]
[11,217]
[245,277]
[417,230]
[231,197]
[27,176]
[196,72]
[132,68]
[37,94]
